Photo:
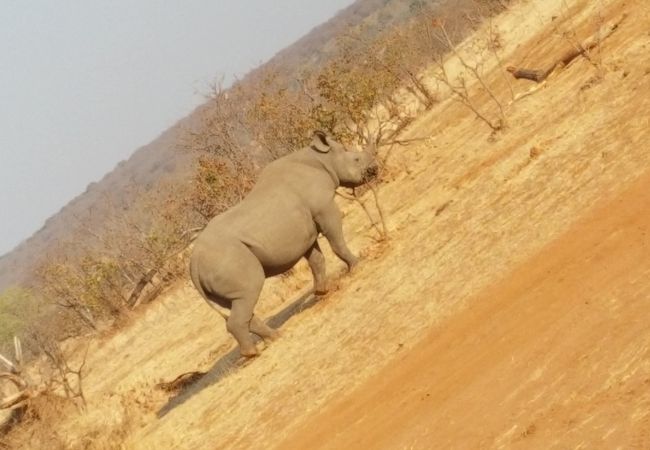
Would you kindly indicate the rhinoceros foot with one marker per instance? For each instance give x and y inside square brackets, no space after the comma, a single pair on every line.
[249,352]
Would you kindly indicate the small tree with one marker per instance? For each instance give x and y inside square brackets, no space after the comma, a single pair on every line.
[215,187]
[281,115]
[226,166]
[444,28]
[77,287]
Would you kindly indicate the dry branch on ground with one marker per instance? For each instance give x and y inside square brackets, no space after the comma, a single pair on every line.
[580,49]
[15,376]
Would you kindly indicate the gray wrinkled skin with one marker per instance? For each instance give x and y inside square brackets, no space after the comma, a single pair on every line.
[272,228]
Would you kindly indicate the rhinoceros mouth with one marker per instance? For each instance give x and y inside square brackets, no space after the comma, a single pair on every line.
[371,173]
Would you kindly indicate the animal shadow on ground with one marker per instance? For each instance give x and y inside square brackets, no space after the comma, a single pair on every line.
[229,363]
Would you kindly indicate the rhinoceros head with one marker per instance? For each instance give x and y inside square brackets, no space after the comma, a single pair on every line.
[352,168]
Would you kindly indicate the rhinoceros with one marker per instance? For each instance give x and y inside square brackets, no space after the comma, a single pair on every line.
[274,226]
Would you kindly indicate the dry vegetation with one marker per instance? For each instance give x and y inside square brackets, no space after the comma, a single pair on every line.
[370,85]
[481,171]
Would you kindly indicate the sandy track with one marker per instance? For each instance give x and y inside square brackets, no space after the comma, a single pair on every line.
[557,354]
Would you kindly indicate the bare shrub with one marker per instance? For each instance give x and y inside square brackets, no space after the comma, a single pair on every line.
[216,186]
[39,400]
[280,114]
[226,165]
[459,84]
[60,376]
[81,286]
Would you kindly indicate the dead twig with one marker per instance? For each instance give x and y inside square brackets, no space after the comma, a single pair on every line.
[375,195]
[180,381]
[355,198]
[405,141]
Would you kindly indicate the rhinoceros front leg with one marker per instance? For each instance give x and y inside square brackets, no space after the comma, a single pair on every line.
[330,224]
[316,262]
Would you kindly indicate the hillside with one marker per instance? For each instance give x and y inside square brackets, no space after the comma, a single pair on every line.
[508,309]
[145,167]
[162,159]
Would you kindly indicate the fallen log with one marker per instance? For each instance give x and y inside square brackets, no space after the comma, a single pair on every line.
[580,49]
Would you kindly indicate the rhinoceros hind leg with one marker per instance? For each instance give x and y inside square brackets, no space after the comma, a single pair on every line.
[238,324]
[264,331]
[247,281]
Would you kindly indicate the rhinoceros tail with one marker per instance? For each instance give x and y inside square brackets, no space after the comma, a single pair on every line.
[194,276]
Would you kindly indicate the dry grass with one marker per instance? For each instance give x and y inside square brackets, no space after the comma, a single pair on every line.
[466,212]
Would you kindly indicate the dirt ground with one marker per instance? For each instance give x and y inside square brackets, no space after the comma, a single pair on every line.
[509,308]
[554,355]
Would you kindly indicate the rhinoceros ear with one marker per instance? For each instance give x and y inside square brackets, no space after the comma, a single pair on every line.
[319,142]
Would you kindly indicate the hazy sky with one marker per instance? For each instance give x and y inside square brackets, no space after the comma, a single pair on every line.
[84,83]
